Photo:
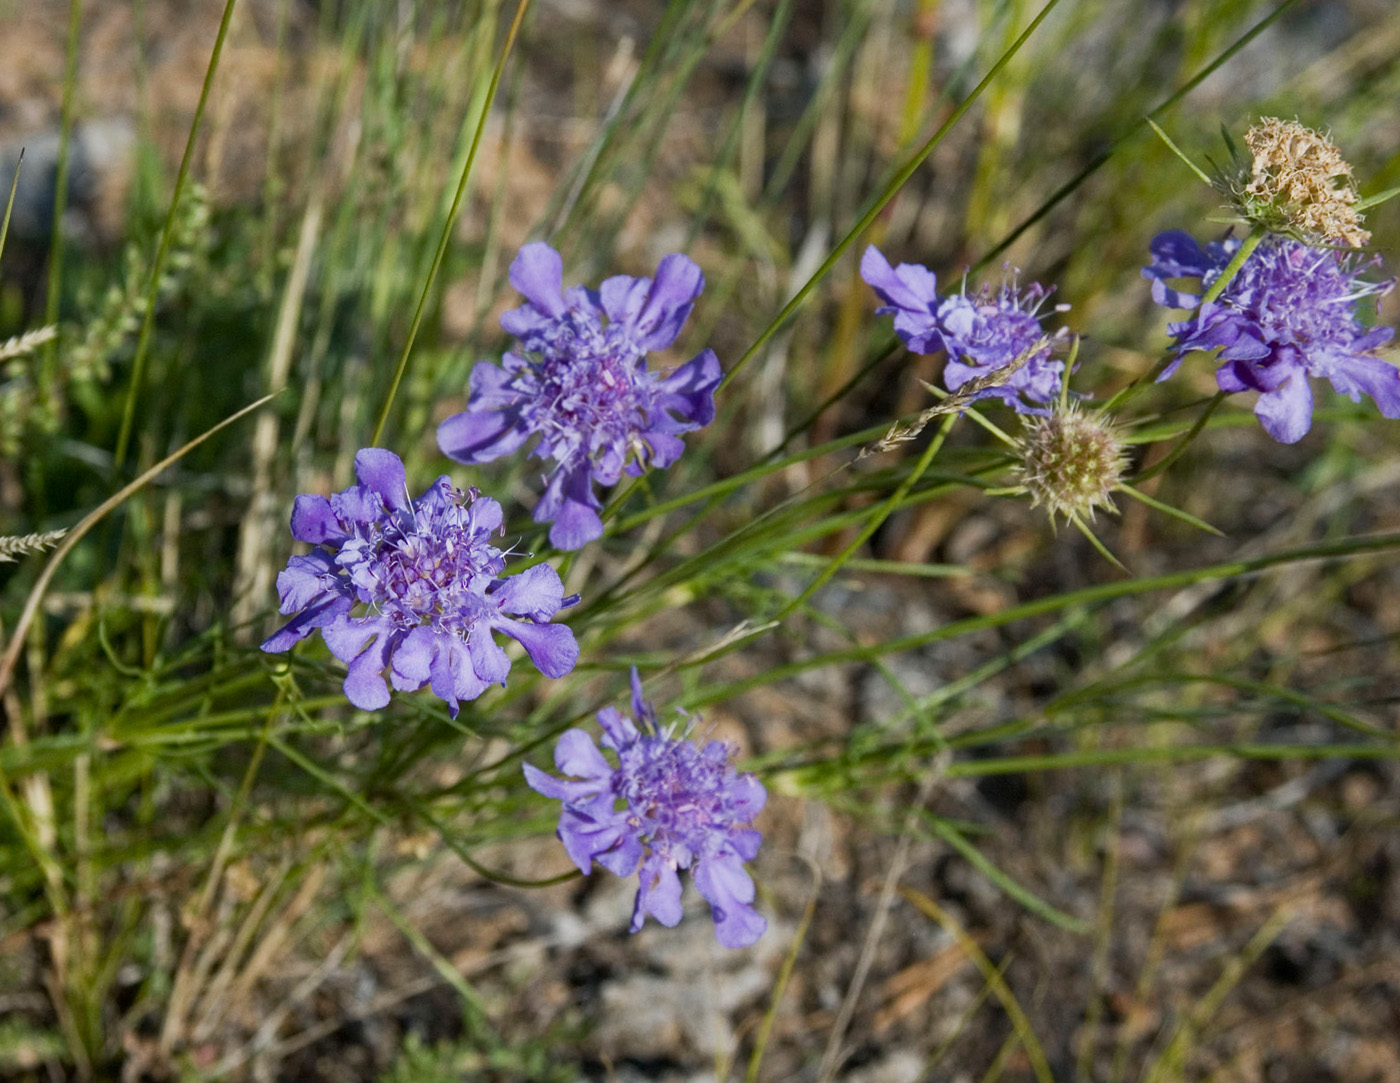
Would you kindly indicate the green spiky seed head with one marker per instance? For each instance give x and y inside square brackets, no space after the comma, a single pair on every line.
[1071,461]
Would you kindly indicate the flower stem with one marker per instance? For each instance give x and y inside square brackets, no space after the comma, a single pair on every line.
[1216,288]
[1246,249]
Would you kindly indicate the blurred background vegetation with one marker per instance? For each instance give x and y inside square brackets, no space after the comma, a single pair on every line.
[1033,817]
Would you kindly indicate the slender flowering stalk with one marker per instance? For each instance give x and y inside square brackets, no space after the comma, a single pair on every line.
[682,807]
[429,581]
[980,334]
[579,381]
[1288,313]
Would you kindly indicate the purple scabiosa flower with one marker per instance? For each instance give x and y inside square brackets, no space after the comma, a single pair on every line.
[980,333]
[683,807]
[429,579]
[579,381]
[1289,313]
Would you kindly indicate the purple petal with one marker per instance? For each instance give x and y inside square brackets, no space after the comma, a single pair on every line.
[745,843]
[479,436]
[358,504]
[1232,377]
[639,705]
[747,796]
[551,647]
[558,789]
[623,297]
[487,514]
[689,392]
[348,638]
[382,472]
[306,580]
[678,283]
[618,730]
[538,273]
[729,891]
[535,593]
[1167,297]
[592,835]
[1286,413]
[489,662]
[306,622]
[909,286]
[577,756]
[1246,347]
[1175,254]
[489,386]
[364,681]
[1357,376]
[575,525]
[313,521]
[659,895]
[411,667]
[466,684]
[622,858]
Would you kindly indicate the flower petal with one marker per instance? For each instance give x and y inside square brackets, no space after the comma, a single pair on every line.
[659,894]
[909,286]
[535,593]
[551,647]
[480,436]
[537,272]
[1286,412]
[489,662]
[577,756]
[306,622]
[726,885]
[382,472]
[1371,376]
[313,521]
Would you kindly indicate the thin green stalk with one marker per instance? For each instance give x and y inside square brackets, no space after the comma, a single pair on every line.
[876,520]
[1103,592]
[1216,288]
[143,342]
[10,203]
[449,225]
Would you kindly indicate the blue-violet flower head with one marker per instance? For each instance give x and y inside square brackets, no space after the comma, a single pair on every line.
[429,580]
[1289,313]
[682,806]
[980,334]
[578,380]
